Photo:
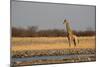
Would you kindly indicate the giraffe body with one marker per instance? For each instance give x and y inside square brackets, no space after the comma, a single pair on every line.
[70,35]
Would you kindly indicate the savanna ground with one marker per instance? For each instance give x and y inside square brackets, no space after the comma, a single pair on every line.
[51,46]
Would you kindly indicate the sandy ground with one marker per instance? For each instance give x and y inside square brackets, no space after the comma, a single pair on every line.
[43,43]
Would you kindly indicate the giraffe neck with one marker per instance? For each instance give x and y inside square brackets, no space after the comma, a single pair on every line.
[69,31]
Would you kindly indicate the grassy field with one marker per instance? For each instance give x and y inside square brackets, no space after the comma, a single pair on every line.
[40,43]
[52,46]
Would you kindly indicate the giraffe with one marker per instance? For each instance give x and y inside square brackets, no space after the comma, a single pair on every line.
[70,35]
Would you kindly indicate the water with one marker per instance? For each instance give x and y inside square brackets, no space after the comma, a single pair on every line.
[51,57]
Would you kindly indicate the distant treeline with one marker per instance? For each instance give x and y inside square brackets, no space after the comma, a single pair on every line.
[33,31]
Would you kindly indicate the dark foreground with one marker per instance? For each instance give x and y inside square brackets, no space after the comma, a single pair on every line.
[34,57]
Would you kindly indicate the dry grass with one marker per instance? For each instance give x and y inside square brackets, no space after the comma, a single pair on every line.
[45,43]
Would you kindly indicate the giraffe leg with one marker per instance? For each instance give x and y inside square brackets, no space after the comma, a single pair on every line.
[74,40]
[78,41]
[69,40]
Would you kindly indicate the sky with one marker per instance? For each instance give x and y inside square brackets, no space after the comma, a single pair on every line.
[51,16]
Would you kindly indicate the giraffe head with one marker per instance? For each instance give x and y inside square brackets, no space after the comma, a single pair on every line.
[65,21]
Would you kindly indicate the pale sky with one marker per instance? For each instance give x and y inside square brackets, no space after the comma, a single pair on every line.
[51,16]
